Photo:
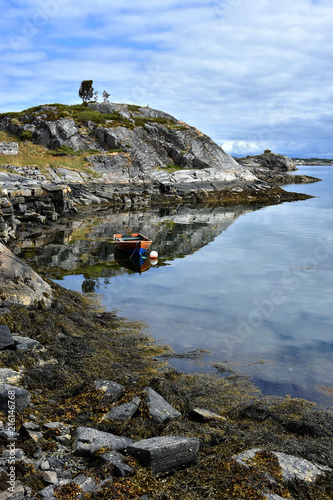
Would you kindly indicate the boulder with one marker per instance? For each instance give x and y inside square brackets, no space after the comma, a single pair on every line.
[124,411]
[19,284]
[13,399]
[165,454]
[116,460]
[6,339]
[160,410]
[9,376]
[111,389]
[26,343]
[291,467]
[89,440]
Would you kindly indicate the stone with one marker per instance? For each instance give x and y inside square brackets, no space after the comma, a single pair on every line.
[26,343]
[6,339]
[291,466]
[8,376]
[110,388]
[86,483]
[165,454]
[116,460]
[19,284]
[15,492]
[47,493]
[89,440]
[160,410]
[13,399]
[50,477]
[9,148]
[32,430]
[124,411]
[202,415]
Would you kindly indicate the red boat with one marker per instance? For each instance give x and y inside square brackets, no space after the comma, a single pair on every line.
[134,242]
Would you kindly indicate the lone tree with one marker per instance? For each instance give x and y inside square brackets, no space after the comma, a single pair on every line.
[86,91]
[106,96]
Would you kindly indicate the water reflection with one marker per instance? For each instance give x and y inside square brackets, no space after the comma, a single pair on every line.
[138,263]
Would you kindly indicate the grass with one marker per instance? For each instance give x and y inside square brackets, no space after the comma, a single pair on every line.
[36,155]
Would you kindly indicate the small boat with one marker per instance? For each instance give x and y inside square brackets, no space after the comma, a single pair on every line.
[135,242]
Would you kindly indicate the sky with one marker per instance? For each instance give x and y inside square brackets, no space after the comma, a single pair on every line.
[251,74]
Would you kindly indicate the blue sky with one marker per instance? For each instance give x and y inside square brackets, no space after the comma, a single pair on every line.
[252,74]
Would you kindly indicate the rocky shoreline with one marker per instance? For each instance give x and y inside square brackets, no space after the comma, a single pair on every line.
[90,409]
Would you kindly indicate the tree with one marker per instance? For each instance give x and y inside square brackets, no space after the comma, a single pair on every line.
[96,95]
[86,91]
[105,96]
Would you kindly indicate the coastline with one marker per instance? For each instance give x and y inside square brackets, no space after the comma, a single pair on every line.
[74,334]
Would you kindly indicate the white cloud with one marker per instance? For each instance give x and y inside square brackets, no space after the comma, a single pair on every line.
[246,73]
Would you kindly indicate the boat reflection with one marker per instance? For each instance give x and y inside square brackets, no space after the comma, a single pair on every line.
[139,263]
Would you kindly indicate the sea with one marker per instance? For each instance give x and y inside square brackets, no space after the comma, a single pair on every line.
[244,291]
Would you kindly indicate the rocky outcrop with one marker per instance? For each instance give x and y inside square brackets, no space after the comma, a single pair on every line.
[19,284]
[8,148]
[142,155]
[274,168]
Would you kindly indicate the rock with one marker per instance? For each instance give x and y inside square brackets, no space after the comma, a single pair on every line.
[89,440]
[86,483]
[32,430]
[8,376]
[291,466]
[47,493]
[203,415]
[14,492]
[116,460]
[160,410]
[13,399]
[9,148]
[50,477]
[19,284]
[25,343]
[6,339]
[165,454]
[124,411]
[110,388]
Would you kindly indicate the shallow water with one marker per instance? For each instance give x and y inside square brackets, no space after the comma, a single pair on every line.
[252,287]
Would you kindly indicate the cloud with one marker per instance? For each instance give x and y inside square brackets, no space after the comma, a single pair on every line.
[247,73]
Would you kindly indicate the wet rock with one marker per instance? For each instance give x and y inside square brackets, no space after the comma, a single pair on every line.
[111,389]
[160,410]
[13,398]
[124,411]
[6,339]
[165,454]
[291,467]
[89,440]
[8,376]
[116,460]
[19,284]
[25,343]
[31,430]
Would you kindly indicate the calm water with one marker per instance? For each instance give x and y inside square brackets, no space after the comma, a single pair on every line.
[254,288]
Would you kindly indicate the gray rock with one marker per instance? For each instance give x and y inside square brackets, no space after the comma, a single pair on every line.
[160,410]
[9,148]
[19,284]
[86,483]
[32,430]
[124,411]
[6,339]
[47,493]
[110,388]
[50,477]
[291,466]
[8,376]
[26,343]
[89,440]
[165,454]
[116,460]
[10,402]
